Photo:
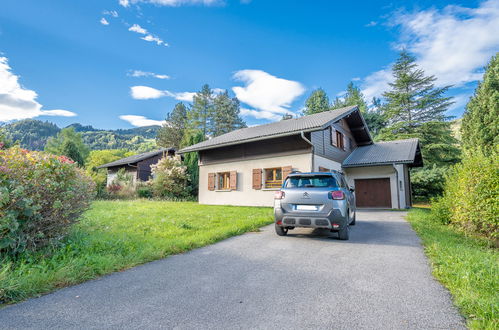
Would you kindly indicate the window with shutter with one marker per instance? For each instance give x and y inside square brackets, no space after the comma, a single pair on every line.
[233,180]
[211,181]
[333,137]
[257,178]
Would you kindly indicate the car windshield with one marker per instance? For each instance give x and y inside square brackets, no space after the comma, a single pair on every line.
[309,181]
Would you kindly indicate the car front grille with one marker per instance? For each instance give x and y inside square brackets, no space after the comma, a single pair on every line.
[289,221]
[321,222]
[305,222]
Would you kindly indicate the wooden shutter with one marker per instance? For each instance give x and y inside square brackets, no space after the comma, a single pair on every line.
[257,178]
[286,170]
[211,181]
[347,143]
[323,169]
[233,180]
[334,142]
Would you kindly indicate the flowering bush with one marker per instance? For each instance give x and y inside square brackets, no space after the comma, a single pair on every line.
[41,196]
[170,178]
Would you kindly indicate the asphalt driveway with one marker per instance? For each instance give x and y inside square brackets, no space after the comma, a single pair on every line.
[379,279]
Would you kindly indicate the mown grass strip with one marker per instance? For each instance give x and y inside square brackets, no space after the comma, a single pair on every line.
[467,266]
[116,235]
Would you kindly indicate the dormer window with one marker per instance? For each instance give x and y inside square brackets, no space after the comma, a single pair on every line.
[337,139]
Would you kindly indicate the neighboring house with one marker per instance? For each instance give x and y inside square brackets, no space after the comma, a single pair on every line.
[246,166]
[138,166]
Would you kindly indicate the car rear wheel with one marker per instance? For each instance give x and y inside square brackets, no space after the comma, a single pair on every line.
[281,231]
[344,233]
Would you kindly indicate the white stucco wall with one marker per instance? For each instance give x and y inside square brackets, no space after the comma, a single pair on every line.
[326,163]
[111,175]
[375,172]
[245,195]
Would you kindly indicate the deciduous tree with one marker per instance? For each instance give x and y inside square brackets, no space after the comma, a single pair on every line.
[174,126]
[317,102]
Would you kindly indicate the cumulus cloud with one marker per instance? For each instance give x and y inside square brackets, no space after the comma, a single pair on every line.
[140,121]
[174,3]
[454,43]
[148,93]
[104,21]
[147,36]
[139,73]
[112,13]
[262,114]
[266,93]
[17,102]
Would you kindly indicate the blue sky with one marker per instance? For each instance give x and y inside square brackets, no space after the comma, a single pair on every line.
[119,63]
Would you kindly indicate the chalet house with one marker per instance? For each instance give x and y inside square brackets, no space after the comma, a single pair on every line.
[138,166]
[246,166]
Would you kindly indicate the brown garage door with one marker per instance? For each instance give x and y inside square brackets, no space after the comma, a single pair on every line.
[373,193]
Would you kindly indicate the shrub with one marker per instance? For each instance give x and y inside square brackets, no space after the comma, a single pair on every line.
[123,186]
[428,182]
[41,196]
[170,178]
[471,196]
[144,190]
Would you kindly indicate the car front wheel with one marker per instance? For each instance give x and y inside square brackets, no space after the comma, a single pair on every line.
[344,233]
[281,231]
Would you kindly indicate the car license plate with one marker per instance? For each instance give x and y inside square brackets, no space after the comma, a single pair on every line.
[306,207]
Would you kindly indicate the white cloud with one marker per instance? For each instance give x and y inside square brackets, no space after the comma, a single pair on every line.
[137,29]
[176,3]
[147,93]
[139,121]
[124,3]
[454,44]
[262,114]
[147,36]
[104,21]
[139,73]
[371,23]
[113,13]
[17,102]
[266,92]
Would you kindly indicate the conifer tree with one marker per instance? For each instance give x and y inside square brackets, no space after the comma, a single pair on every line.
[416,108]
[226,116]
[317,102]
[480,125]
[201,113]
[172,131]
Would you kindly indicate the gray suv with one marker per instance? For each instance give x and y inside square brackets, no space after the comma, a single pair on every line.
[315,200]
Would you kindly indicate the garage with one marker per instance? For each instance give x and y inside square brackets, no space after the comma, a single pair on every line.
[373,192]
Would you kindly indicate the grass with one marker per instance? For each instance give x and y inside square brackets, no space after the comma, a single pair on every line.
[116,235]
[467,266]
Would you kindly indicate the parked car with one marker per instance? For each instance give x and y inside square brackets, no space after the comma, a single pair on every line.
[315,200]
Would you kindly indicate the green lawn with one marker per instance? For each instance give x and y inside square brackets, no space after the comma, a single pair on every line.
[467,266]
[115,235]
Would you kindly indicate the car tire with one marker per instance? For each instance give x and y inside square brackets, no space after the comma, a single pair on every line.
[354,219]
[344,233]
[281,231]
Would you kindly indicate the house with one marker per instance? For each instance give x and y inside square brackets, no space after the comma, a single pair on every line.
[246,166]
[138,166]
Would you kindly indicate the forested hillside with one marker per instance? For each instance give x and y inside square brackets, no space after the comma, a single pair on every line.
[33,135]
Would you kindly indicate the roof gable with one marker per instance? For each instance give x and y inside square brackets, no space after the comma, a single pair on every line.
[277,129]
[136,158]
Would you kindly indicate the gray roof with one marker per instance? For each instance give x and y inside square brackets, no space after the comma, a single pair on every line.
[277,129]
[136,158]
[389,152]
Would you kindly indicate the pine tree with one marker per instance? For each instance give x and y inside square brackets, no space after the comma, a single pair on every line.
[416,108]
[192,137]
[201,113]
[317,102]
[480,125]
[55,145]
[226,116]
[171,132]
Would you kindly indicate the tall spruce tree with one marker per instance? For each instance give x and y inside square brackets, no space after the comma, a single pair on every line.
[353,96]
[70,149]
[172,131]
[226,116]
[317,102]
[416,108]
[192,137]
[201,113]
[480,125]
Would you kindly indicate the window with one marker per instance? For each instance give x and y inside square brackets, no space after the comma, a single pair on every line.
[311,181]
[224,181]
[273,177]
[337,139]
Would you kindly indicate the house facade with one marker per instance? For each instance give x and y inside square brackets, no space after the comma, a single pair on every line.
[246,166]
[137,166]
